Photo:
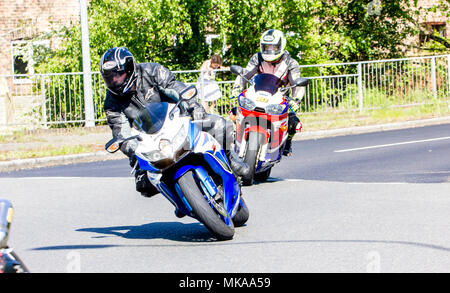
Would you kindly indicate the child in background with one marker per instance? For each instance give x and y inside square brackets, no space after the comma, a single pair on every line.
[209,91]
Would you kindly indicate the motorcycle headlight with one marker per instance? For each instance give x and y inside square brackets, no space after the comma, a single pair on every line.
[275,109]
[170,149]
[154,156]
[246,103]
[166,148]
[179,139]
[158,159]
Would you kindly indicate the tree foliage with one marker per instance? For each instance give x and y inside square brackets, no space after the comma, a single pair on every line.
[365,30]
[172,32]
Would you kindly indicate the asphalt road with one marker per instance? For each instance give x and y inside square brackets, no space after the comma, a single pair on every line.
[374,202]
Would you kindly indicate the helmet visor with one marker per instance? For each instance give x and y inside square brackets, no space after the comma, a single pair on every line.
[270,49]
[114,79]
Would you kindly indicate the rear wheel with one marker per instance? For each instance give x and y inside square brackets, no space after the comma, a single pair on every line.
[218,224]
[255,140]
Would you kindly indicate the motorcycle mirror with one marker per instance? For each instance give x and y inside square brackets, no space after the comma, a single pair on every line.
[185,95]
[236,69]
[188,93]
[112,146]
[301,81]
[285,89]
[6,213]
[298,82]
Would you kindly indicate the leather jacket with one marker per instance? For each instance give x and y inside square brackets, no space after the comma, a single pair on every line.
[154,83]
[287,69]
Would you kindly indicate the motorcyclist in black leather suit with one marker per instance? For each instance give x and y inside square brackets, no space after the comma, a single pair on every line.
[131,86]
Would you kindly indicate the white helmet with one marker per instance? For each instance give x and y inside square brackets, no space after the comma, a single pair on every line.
[272,45]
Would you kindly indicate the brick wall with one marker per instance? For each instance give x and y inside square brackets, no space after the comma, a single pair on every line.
[24,19]
[433,17]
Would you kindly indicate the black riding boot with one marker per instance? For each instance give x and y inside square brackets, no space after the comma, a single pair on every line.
[239,167]
[143,185]
[293,121]
[288,147]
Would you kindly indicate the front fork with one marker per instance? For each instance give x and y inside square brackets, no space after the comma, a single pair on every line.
[263,151]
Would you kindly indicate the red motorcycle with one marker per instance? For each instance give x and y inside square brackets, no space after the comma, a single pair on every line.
[262,123]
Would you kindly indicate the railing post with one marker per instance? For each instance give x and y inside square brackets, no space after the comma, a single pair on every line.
[433,77]
[360,88]
[448,76]
[43,102]
[202,87]
[87,74]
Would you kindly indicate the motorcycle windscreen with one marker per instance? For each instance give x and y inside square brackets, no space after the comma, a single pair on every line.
[151,118]
[267,82]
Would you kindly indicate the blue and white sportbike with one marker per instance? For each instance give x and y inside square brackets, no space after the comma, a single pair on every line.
[188,166]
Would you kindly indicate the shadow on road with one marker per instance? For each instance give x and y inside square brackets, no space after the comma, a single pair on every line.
[192,232]
[211,242]
[269,180]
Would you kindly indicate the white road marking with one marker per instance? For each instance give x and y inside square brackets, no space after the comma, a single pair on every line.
[391,144]
[331,181]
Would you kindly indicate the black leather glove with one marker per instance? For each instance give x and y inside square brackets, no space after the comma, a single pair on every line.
[196,110]
[129,147]
[199,113]
[133,161]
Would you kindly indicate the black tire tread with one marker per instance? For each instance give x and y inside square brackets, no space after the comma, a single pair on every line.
[242,214]
[253,145]
[203,209]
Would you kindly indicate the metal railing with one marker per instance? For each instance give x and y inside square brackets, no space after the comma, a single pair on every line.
[58,99]
[378,84]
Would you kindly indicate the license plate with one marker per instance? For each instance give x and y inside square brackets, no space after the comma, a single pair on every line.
[262,99]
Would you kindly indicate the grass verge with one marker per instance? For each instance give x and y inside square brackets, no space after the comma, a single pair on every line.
[48,152]
[335,120]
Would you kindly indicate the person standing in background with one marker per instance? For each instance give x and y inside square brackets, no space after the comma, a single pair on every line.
[209,91]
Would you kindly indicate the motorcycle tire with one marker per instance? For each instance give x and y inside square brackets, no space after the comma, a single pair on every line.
[255,140]
[202,208]
[242,214]
[263,176]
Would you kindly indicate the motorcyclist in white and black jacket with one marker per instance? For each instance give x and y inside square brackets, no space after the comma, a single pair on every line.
[132,86]
[274,59]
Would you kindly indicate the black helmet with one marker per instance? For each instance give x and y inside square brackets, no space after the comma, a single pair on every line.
[117,67]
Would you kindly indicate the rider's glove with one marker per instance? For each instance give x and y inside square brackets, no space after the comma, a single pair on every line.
[129,147]
[196,110]
[295,104]
[133,160]
[199,113]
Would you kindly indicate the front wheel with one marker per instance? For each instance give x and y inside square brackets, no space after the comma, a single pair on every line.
[263,176]
[255,140]
[242,214]
[203,209]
